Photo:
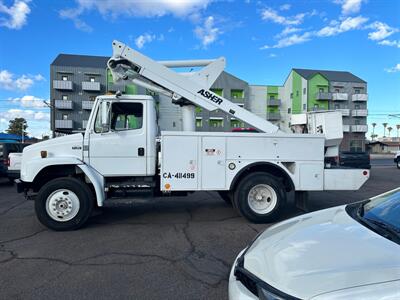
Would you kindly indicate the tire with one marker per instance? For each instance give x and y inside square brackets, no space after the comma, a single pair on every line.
[398,163]
[226,196]
[64,204]
[260,197]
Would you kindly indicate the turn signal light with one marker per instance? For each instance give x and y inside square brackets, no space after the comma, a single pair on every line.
[43,154]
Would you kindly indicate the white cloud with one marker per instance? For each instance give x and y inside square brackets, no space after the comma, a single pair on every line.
[351,6]
[288,30]
[132,8]
[29,101]
[24,82]
[291,40]
[15,16]
[142,39]
[29,115]
[350,23]
[394,69]
[272,15]
[285,6]
[392,43]
[208,33]
[381,31]
[272,55]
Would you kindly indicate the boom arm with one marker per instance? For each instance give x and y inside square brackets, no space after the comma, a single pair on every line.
[128,64]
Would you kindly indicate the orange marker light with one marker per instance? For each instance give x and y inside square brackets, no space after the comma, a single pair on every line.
[167,186]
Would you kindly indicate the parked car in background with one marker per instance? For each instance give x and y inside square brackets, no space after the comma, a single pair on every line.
[359,160]
[344,252]
[5,150]
[14,165]
[397,159]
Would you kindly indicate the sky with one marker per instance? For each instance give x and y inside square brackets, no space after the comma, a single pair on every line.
[261,40]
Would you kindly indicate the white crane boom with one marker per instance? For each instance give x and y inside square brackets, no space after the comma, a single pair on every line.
[128,64]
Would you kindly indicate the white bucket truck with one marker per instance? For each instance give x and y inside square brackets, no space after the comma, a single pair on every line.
[123,154]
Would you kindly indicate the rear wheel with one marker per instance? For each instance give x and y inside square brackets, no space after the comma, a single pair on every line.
[260,197]
[64,204]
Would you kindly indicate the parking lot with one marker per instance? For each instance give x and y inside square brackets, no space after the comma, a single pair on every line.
[176,248]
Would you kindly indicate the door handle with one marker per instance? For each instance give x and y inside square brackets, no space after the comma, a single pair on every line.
[140,151]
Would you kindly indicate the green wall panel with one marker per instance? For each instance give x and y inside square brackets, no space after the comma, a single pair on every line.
[296,90]
[314,84]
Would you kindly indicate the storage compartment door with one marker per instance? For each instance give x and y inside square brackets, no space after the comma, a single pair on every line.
[213,169]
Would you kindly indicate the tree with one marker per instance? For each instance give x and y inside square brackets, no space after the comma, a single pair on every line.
[17,126]
[373,130]
[384,129]
[389,130]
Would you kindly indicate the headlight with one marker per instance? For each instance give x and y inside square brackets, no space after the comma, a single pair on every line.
[267,295]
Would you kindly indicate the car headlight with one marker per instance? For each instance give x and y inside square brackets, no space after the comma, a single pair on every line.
[263,294]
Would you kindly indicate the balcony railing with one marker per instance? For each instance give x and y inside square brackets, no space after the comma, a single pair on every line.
[87,105]
[63,124]
[274,116]
[91,86]
[359,113]
[359,128]
[340,96]
[345,111]
[63,104]
[346,128]
[360,97]
[323,96]
[62,85]
[274,102]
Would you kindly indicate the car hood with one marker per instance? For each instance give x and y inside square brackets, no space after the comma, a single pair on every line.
[322,252]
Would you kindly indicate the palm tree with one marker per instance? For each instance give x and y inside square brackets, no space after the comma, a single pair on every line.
[384,129]
[373,130]
[389,130]
[398,129]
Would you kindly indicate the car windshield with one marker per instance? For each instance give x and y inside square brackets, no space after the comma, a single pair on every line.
[384,209]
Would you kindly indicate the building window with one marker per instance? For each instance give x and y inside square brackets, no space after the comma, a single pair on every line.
[92,98]
[337,90]
[297,93]
[304,91]
[199,122]
[216,123]
[289,110]
[337,106]
[321,90]
[304,106]
[64,78]
[357,122]
[237,94]
[219,92]
[357,91]
[291,95]
[316,107]
[272,97]
[65,117]
[65,97]
[91,79]
[356,146]
[357,106]
[236,124]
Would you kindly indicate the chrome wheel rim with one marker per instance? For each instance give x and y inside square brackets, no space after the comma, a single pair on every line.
[62,205]
[262,198]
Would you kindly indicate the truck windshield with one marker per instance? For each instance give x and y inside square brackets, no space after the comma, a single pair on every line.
[384,210]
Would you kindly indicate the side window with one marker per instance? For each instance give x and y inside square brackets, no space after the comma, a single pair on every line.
[126,116]
[98,127]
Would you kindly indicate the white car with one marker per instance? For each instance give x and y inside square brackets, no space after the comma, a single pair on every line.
[345,252]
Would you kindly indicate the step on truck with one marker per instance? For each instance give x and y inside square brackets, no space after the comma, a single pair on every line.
[123,154]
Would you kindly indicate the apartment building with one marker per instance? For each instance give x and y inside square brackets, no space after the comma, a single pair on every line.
[308,90]
[76,80]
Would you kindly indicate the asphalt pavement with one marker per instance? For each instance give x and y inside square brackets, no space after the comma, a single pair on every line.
[167,248]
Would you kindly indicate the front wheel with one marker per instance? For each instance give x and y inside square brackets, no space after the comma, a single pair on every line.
[64,204]
[398,163]
[260,197]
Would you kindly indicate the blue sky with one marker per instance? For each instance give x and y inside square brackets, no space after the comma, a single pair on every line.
[261,40]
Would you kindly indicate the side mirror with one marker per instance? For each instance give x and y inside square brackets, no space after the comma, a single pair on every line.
[105,116]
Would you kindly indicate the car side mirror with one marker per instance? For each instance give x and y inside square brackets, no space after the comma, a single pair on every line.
[105,116]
